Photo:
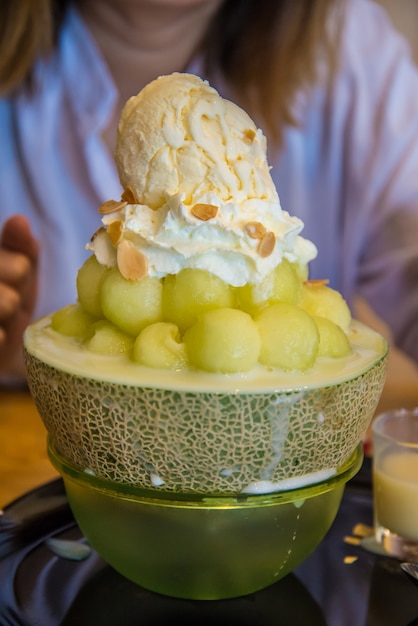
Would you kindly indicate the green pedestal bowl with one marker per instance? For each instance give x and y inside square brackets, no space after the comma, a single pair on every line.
[202,547]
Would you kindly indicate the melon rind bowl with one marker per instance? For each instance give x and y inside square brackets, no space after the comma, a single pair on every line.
[202,486]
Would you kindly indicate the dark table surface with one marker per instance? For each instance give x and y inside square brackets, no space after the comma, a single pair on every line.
[340,584]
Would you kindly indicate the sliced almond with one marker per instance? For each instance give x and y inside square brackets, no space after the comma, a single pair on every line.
[267,244]
[132,264]
[115,231]
[363,530]
[111,205]
[98,232]
[349,560]
[103,249]
[352,541]
[255,230]
[320,282]
[204,211]
[128,195]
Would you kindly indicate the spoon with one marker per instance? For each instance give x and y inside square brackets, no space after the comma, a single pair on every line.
[411,569]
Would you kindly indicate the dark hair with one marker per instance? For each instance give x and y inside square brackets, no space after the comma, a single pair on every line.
[29,30]
[267,49]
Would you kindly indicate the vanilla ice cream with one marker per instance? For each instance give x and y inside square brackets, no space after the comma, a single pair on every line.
[198,190]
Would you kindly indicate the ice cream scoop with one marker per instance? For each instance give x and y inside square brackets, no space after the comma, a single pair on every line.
[198,190]
[178,136]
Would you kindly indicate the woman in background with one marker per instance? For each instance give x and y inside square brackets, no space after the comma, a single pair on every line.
[330,82]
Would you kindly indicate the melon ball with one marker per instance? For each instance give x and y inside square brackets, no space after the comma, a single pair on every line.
[333,341]
[223,340]
[104,338]
[72,321]
[192,292]
[320,300]
[160,345]
[289,337]
[281,285]
[89,280]
[128,304]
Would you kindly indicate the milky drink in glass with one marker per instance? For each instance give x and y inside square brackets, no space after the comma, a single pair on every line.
[395,481]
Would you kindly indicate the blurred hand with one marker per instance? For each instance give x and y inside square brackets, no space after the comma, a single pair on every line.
[19,252]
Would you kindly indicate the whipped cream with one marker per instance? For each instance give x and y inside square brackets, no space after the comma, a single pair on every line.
[172,239]
[182,151]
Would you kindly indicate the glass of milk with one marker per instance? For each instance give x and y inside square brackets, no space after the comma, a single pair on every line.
[395,482]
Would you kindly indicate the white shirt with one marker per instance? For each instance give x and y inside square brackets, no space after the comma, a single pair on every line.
[350,172]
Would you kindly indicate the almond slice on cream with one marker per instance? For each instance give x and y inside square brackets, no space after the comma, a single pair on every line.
[111,206]
[267,244]
[255,230]
[204,211]
[132,264]
[103,249]
[115,231]
[318,282]
[128,195]
[98,232]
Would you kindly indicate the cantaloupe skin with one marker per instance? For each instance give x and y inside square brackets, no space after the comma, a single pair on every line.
[202,442]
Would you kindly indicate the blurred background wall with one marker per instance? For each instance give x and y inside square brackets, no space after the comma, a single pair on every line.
[404,14]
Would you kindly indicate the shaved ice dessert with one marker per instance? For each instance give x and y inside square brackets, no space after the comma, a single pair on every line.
[199,356]
[205,401]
